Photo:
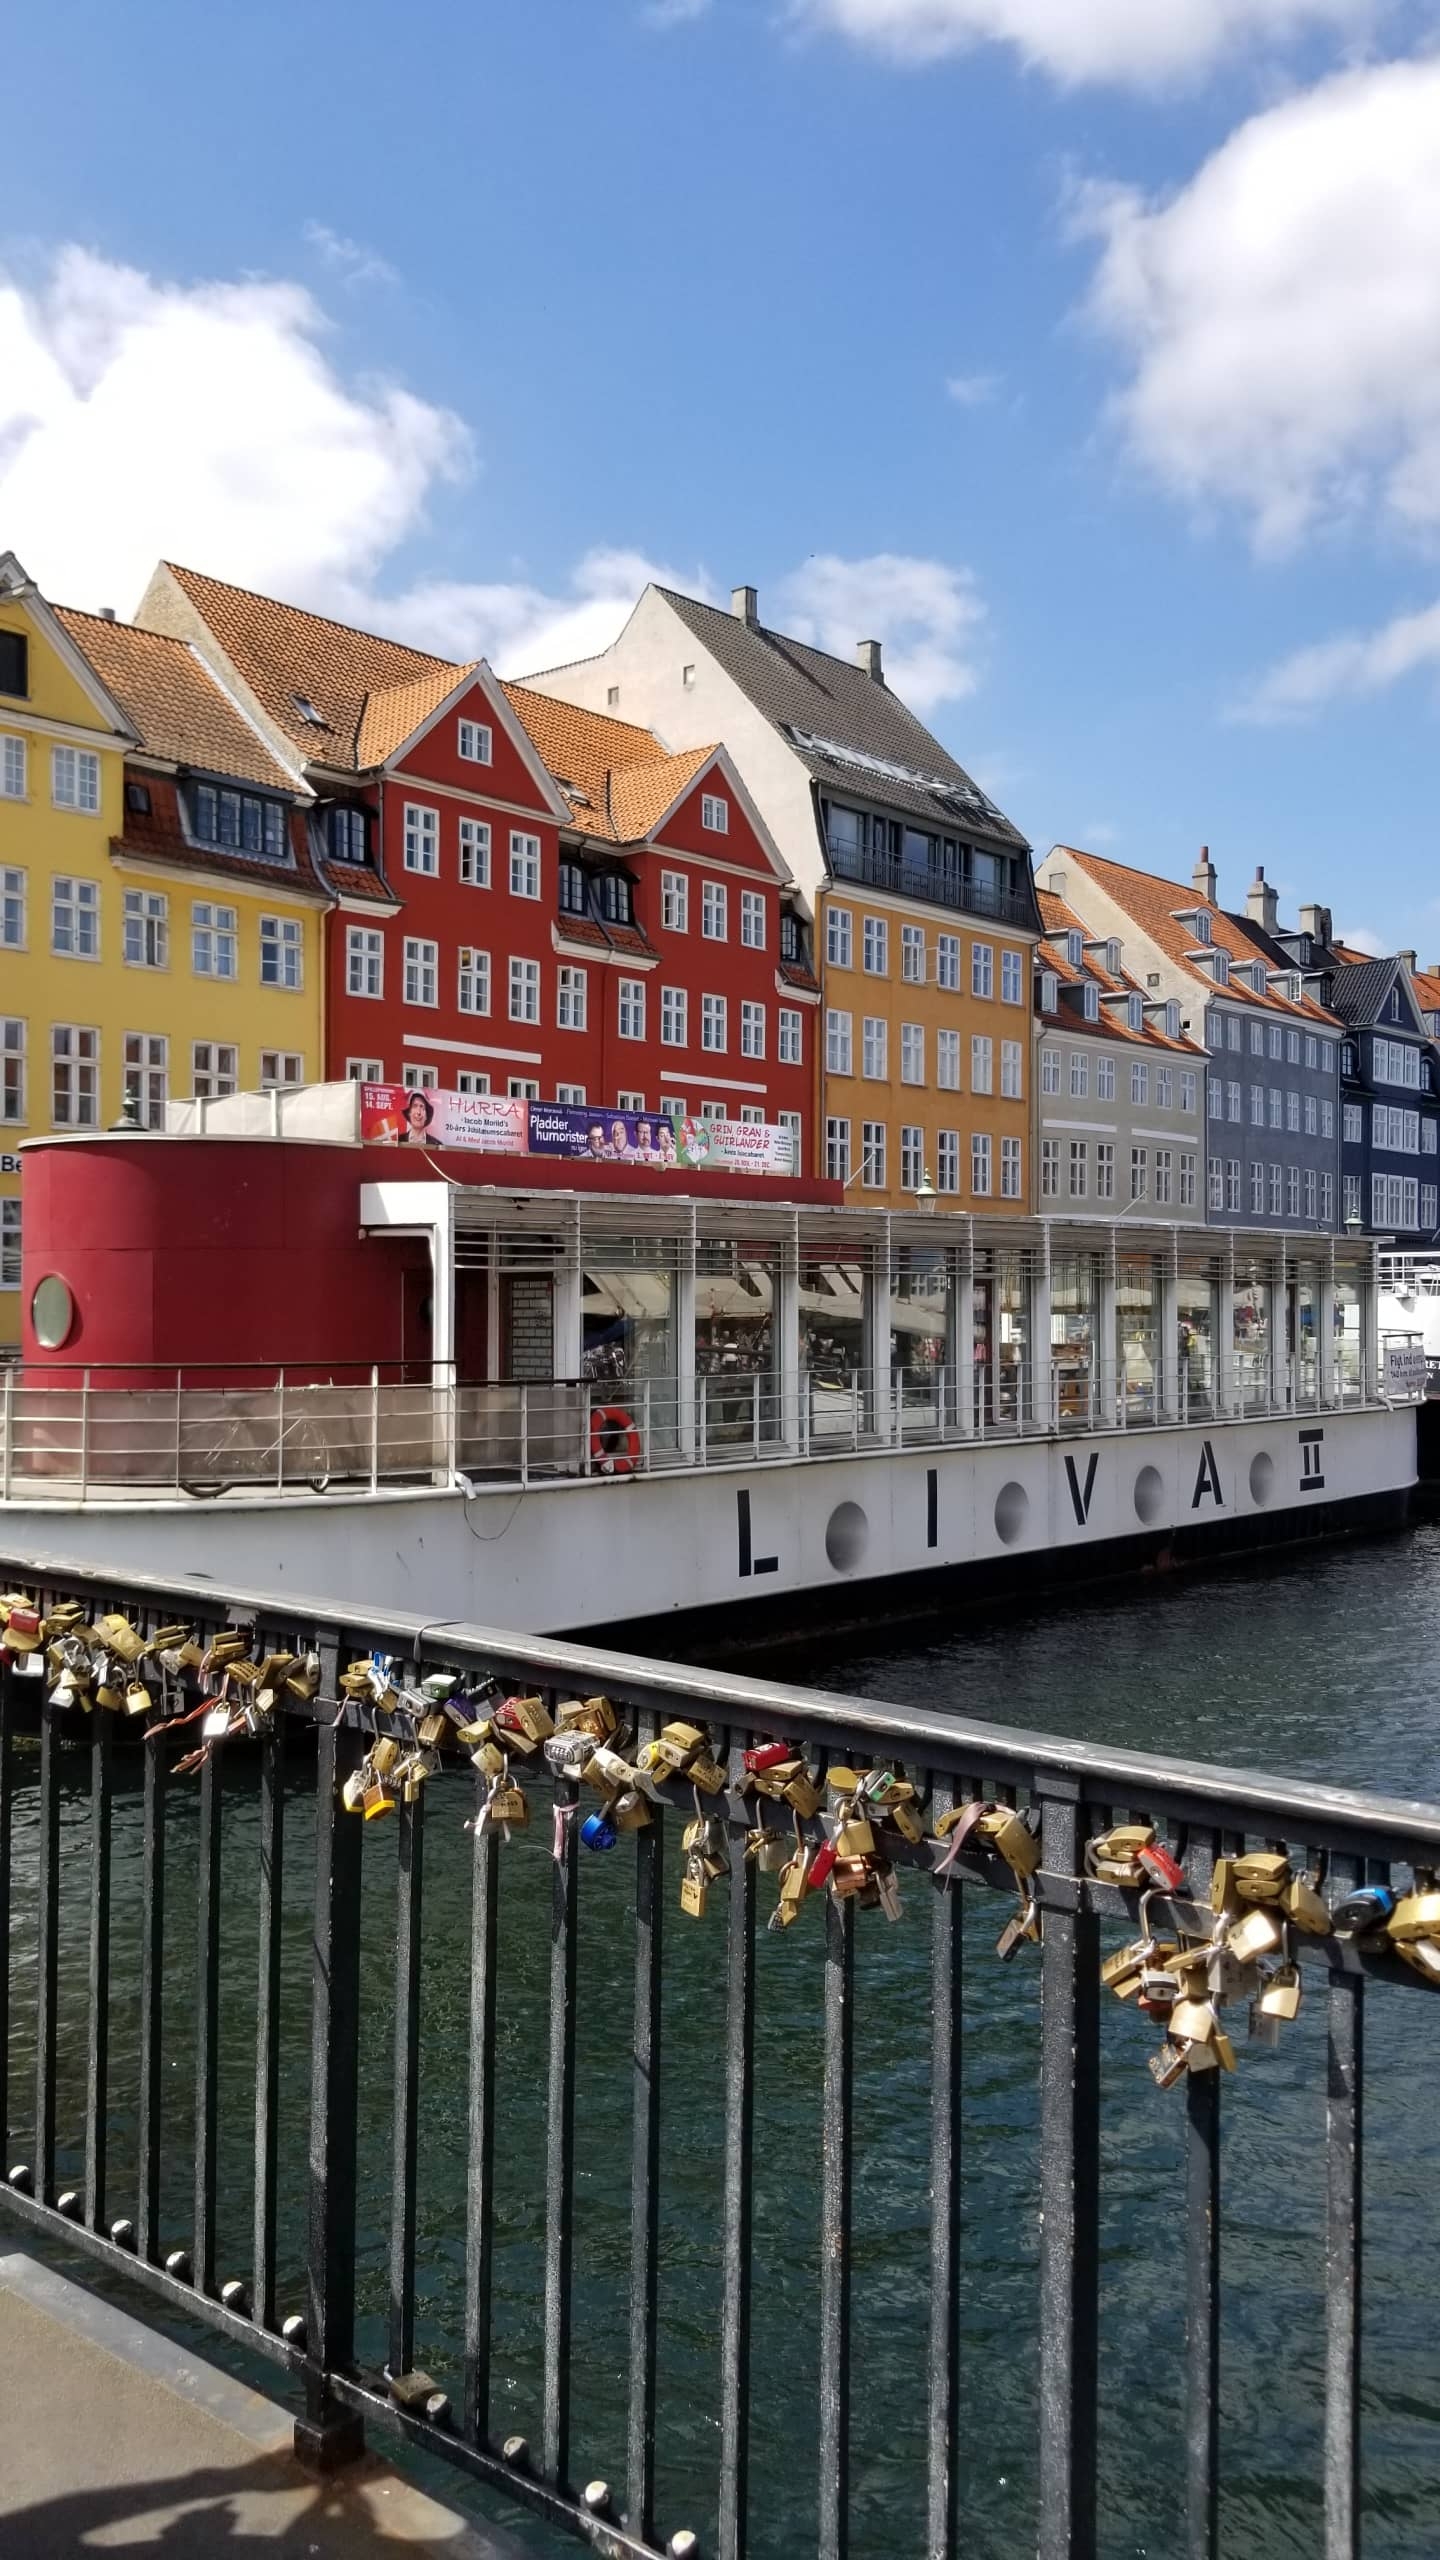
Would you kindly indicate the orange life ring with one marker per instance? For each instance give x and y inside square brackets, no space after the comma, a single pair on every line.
[610,1425]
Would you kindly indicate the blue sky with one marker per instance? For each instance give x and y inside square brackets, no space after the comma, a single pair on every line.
[1085,351]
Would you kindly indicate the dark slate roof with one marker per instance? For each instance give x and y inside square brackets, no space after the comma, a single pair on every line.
[1358,989]
[819,702]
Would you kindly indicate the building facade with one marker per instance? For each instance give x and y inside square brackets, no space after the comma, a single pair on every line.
[1119,1091]
[529,900]
[918,886]
[1272,1089]
[161,922]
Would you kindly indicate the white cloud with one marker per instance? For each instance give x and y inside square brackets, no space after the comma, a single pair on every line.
[522,629]
[1137,43]
[204,423]
[972,390]
[673,13]
[1362,939]
[350,258]
[1282,311]
[1350,666]
[927,613]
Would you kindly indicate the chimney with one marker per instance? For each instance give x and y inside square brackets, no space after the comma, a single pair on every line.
[1204,879]
[1409,959]
[867,658]
[107,613]
[1262,903]
[745,605]
[1316,922]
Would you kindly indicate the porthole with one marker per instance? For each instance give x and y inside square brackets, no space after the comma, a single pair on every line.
[52,1311]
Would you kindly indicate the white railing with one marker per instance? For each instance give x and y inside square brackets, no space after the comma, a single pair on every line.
[82,1438]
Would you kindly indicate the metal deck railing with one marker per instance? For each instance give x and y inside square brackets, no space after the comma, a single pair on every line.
[60,2135]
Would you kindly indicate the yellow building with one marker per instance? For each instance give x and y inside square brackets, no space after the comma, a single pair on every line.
[925,1050]
[161,924]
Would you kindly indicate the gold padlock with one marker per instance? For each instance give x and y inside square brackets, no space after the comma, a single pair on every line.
[526,1717]
[1195,2020]
[843,1782]
[1280,1996]
[694,1892]
[588,1715]
[1261,1875]
[802,1792]
[1308,1909]
[512,1805]
[1416,1915]
[629,1810]
[906,1820]
[1005,1831]
[304,1680]
[121,1638]
[376,1800]
[855,1839]
[138,1701]
[1258,1934]
[706,1774]
[384,1753]
[432,1729]
[1423,1957]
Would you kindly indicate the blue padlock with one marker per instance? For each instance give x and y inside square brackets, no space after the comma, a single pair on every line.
[597,1831]
[1365,1910]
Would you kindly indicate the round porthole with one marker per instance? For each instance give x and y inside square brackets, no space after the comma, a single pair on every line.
[52,1311]
[1149,1495]
[1262,1477]
[847,1535]
[1012,1510]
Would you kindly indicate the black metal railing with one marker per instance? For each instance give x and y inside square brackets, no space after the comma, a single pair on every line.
[940,888]
[506,2012]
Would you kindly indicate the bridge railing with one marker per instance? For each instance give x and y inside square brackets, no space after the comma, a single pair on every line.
[95,2038]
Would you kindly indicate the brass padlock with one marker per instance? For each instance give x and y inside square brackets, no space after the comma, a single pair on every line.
[304,1680]
[843,1782]
[377,1800]
[1280,1996]
[706,1774]
[511,1804]
[629,1811]
[801,1792]
[906,1820]
[432,1729]
[477,1731]
[1258,1934]
[384,1754]
[588,1715]
[1423,1957]
[1308,1909]
[1168,2065]
[1195,2020]
[1416,1915]
[1007,1832]
[694,1891]
[166,1639]
[526,1718]
[121,1638]
[855,1839]
[138,1701]
[1261,1875]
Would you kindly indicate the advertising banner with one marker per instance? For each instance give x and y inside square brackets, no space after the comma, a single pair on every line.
[1405,1369]
[601,1137]
[391,1116]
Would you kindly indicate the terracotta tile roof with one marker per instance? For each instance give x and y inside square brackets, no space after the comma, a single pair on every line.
[284,653]
[591,934]
[640,794]
[627,777]
[1060,919]
[1151,904]
[1427,989]
[393,714]
[157,834]
[796,974]
[171,700]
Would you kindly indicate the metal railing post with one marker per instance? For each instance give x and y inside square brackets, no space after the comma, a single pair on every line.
[375,1427]
[84,1432]
[329,2434]
[525,1431]
[280,1432]
[7,1428]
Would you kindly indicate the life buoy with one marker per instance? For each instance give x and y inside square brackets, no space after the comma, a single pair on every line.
[614,1441]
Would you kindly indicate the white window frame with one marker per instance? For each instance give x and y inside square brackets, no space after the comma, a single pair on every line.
[947,1061]
[214,940]
[81,1070]
[572,998]
[75,780]
[475,853]
[421,963]
[146,922]
[752,919]
[714,1024]
[631,1015]
[281,1070]
[472,979]
[912,1059]
[14,907]
[839,937]
[1012,978]
[1011,1168]
[74,917]
[912,954]
[524,864]
[837,1150]
[715,812]
[875,946]
[982,1164]
[421,839]
[365,965]
[364,1071]
[524,990]
[674,902]
[14,1048]
[215,1070]
[474,742]
[982,1063]
[790,1038]
[714,912]
[875,1047]
[949,954]
[674,1018]
[752,1029]
[282,943]
[874,1145]
[10,1243]
[14,767]
[982,969]
[1012,1070]
[839,1043]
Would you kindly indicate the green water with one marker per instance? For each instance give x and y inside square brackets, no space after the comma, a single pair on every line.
[1320,1668]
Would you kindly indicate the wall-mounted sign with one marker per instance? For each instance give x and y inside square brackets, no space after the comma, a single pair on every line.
[1405,1369]
[392,1116]
[9,1164]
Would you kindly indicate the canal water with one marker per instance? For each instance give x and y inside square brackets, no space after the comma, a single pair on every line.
[1324,1667]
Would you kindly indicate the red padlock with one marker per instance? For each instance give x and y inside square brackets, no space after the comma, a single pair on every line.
[768,1755]
[821,1864]
[1163,1870]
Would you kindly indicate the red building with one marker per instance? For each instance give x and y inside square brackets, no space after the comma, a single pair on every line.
[530,898]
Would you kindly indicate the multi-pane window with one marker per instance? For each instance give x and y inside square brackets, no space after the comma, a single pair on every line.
[147,1076]
[1217,1183]
[1164,1088]
[1312,1209]
[752,1030]
[12,1070]
[215,940]
[1104,1079]
[573,888]
[1276,1108]
[839,1057]
[947,1061]
[1292,1112]
[1049,1070]
[876,947]
[472,987]
[912,1053]
[1312,1115]
[1275,1041]
[12,768]
[1216,1092]
[346,833]
[472,1080]
[570,1093]
[912,953]
[475,853]
[1327,1119]
[475,742]
[74,1076]
[1139,1080]
[9,1244]
[947,961]
[524,865]
[1232,1184]
[839,937]
[714,911]
[522,1089]
[791,1122]
[1012,1069]
[1139,1173]
[1257,1106]
[571,998]
[147,929]
[524,990]
[1277,1189]
[1079,1074]
[715,812]
[1164,1177]
[874,1045]
[791,1043]
[422,971]
[281,951]
[1234,1098]
[752,919]
[1105,1169]
[981,1163]
[982,969]
[12,909]
[75,918]
[215,1069]
[1257,1189]
[418,1079]
[281,1069]
[1350,1198]
[982,1068]
[364,1071]
[947,1160]
[632,1010]
[674,902]
[1079,1167]
[1312,1052]
[1187,1182]
[364,962]
[872,1155]
[1257,1039]
[837,1150]
[1292,1190]
[422,838]
[1187,1088]
[75,779]
[1292,1048]
[1012,978]
[1429,1195]
[714,1029]
[1233,1029]
[1011,1168]
[1428,1137]
[237,821]
[912,1156]
[674,1031]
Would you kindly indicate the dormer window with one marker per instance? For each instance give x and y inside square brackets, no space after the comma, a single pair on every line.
[1135,1013]
[615,900]
[237,821]
[1112,958]
[1091,995]
[1075,949]
[792,945]
[573,899]
[1293,988]
[347,834]
[1049,991]
[1222,967]
[1202,926]
[14,664]
[1172,1020]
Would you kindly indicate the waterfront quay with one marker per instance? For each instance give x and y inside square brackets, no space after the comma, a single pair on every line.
[551,2158]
